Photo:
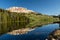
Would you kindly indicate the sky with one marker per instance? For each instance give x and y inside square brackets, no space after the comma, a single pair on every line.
[49,7]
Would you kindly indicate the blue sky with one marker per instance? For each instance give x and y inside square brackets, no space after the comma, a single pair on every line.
[50,7]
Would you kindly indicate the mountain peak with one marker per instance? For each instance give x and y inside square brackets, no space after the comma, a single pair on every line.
[19,10]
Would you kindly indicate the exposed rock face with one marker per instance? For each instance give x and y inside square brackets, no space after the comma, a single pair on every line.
[19,10]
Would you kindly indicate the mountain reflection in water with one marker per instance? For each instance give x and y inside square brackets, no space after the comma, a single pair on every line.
[40,33]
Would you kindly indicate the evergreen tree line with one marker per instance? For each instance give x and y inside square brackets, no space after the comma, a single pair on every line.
[10,21]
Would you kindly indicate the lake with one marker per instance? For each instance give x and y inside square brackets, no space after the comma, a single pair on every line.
[40,33]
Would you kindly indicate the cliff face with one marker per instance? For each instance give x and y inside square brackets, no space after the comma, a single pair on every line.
[19,10]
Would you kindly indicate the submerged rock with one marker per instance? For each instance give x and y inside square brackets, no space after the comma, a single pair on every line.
[20,31]
[54,35]
[57,33]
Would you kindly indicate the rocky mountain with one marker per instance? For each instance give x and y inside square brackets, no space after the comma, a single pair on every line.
[19,10]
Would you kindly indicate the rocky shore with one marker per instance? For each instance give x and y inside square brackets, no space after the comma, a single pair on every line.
[20,31]
[54,35]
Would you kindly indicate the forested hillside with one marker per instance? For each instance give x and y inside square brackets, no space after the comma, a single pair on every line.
[11,20]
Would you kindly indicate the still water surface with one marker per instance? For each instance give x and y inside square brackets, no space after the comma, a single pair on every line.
[40,33]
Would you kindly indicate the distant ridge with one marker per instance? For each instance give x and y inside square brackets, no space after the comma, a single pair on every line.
[19,10]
